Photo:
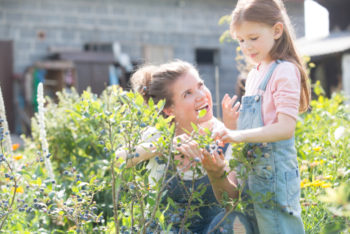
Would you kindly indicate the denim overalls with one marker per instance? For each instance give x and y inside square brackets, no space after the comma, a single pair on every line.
[209,211]
[275,174]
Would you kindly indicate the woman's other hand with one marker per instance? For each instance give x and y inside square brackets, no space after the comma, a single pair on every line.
[188,147]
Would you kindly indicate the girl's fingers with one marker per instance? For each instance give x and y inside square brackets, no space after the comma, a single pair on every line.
[225,99]
[236,106]
[233,100]
[218,133]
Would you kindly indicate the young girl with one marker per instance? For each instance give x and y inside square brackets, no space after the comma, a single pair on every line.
[276,90]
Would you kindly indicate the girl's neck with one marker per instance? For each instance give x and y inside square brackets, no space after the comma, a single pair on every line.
[264,64]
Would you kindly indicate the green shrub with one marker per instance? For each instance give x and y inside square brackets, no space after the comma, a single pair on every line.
[322,141]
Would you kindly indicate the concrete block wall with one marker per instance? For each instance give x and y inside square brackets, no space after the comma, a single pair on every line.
[182,24]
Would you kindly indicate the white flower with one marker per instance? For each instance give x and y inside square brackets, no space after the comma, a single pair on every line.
[7,137]
[339,132]
[44,144]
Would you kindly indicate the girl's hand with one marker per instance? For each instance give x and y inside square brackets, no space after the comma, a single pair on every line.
[230,112]
[214,163]
[188,147]
[227,135]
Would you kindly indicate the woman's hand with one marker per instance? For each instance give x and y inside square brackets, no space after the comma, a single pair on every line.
[230,112]
[188,147]
[214,164]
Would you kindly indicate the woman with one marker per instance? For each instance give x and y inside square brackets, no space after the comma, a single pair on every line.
[185,96]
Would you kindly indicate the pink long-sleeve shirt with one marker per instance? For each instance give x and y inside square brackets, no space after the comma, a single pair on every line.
[282,93]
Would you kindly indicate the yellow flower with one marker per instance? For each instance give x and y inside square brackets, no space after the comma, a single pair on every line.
[312,65]
[15,147]
[17,157]
[317,149]
[317,183]
[238,49]
[304,183]
[18,190]
[326,185]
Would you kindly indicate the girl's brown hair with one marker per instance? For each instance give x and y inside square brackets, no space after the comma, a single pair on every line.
[271,12]
[156,81]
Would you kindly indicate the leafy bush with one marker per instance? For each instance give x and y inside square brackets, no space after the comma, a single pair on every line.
[95,192]
[322,141]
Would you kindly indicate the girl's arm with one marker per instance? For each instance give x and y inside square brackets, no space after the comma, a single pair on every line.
[282,130]
[144,151]
[216,167]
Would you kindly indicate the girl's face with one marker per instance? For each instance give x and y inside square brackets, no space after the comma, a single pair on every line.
[257,39]
[190,95]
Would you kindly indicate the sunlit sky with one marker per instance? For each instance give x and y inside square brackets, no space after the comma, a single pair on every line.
[316,20]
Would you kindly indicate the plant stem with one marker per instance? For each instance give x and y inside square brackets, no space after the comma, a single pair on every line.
[115,195]
[230,210]
[14,191]
[188,206]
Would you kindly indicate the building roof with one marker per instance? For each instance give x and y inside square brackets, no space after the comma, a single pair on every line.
[334,43]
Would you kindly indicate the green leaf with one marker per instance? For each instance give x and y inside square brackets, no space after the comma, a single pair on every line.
[139,100]
[160,217]
[194,126]
[202,113]
[39,171]
[75,189]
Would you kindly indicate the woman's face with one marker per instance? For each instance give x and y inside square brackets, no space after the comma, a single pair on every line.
[190,95]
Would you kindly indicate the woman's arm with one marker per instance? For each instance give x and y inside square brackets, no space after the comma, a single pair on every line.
[216,168]
[282,130]
[144,151]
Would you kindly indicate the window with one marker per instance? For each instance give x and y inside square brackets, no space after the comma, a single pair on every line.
[206,56]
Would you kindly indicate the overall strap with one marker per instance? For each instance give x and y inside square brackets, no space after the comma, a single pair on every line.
[268,75]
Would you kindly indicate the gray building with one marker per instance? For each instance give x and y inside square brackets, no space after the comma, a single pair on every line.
[147,31]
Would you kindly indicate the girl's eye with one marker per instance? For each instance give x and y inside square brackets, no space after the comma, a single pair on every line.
[254,38]
[241,41]
[201,85]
